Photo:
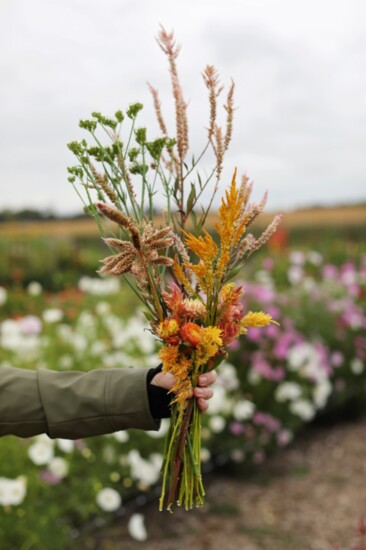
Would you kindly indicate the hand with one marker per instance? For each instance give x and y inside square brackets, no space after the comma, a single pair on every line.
[202,392]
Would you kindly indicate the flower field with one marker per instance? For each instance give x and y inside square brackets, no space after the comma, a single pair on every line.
[275,381]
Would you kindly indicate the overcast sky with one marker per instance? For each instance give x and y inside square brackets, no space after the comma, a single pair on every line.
[299,68]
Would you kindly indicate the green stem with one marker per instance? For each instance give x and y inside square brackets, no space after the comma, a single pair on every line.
[172,436]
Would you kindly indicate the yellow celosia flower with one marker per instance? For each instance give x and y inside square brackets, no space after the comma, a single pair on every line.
[204,247]
[227,290]
[179,366]
[167,328]
[180,275]
[169,355]
[231,224]
[255,319]
[205,276]
[183,390]
[210,343]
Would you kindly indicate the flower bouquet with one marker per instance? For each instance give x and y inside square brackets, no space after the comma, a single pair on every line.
[181,272]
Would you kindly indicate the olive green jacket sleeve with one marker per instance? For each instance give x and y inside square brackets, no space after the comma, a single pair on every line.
[73,405]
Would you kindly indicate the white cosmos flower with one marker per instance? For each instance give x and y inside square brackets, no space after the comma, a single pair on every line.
[164,427]
[34,288]
[295,274]
[297,257]
[303,408]
[147,343]
[205,454]
[146,471]
[136,527]
[228,376]
[65,362]
[264,278]
[42,450]
[109,499]
[253,377]
[65,445]
[321,392]
[121,436]
[99,287]
[12,491]
[219,403]
[3,296]
[86,321]
[305,359]
[357,366]
[102,308]
[243,410]
[237,455]
[287,391]
[315,257]
[64,331]
[59,467]
[78,341]
[97,348]
[52,315]
[309,283]
[217,423]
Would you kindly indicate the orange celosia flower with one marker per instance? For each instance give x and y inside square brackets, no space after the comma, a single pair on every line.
[191,333]
[193,308]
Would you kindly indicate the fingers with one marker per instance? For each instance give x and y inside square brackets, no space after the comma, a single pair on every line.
[202,404]
[207,379]
[202,392]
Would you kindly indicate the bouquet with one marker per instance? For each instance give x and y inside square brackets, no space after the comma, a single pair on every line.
[181,272]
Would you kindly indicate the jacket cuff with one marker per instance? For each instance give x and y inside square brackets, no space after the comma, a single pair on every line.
[83,404]
[159,399]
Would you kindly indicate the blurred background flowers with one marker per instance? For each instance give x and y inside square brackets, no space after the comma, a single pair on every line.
[300,133]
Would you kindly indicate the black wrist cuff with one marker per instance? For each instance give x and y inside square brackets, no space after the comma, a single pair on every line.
[159,399]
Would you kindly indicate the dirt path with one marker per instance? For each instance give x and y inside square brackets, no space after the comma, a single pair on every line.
[308,497]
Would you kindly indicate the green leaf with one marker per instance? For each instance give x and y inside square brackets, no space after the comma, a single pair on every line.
[199,180]
[191,198]
[233,273]
[149,316]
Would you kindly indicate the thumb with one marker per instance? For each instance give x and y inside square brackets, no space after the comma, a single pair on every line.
[162,380]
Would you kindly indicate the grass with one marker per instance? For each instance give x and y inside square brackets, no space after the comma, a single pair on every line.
[345,216]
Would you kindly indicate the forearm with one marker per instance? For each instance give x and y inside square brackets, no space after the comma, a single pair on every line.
[73,404]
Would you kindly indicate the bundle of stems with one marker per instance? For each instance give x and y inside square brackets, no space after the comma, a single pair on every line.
[184,279]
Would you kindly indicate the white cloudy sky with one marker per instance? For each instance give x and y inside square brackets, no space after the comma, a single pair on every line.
[299,68]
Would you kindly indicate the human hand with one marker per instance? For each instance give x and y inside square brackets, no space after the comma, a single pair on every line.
[202,392]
